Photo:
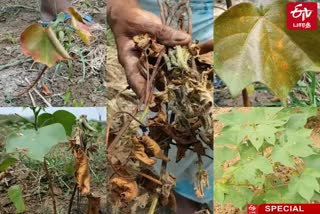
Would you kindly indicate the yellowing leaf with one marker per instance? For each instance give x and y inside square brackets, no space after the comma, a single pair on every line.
[254,45]
[42,45]
[81,27]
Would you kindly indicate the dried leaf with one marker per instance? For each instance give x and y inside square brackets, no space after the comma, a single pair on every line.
[142,41]
[42,45]
[202,182]
[46,91]
[153,149]
[141,202]
[81,27]
[126,190]
[82,171]
[139,152]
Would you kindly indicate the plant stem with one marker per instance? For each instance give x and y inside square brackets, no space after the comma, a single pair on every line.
[50,186]
[153,205]
[72,197]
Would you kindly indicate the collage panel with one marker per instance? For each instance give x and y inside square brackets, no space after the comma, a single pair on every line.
[160,100]
[52,160]
[52,53]
[265,156]
[261,61]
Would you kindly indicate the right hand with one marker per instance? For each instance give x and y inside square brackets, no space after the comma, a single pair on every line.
[127,20]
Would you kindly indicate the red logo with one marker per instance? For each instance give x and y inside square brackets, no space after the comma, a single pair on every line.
[302,15]
[252,209]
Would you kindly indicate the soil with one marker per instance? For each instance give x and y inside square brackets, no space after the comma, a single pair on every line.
[15,68]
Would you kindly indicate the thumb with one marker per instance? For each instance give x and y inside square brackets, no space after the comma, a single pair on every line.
[165,35]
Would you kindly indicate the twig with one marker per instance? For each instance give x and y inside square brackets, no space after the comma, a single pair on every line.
[34,83]
[35,90]
[205,155]
[150,178]
[2,67]
[162,14]
[21,6]
[189,12]
[32,100]
[72,197]
[50,187]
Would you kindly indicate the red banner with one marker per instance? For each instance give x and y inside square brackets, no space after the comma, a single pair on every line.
[283,208]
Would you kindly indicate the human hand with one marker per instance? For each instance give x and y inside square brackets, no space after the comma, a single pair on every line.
[127,20]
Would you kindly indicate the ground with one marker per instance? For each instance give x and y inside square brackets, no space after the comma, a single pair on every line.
[82,85]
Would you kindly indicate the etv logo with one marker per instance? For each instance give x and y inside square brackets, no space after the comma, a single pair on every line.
[252,209]
[302,15]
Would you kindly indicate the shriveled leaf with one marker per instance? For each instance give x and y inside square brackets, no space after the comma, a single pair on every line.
[36,144]
[139,152]
[125,189]
[81,27]
[254,45]
[81,169]
[42,45]
[15,195]
[153,148]
[140,202]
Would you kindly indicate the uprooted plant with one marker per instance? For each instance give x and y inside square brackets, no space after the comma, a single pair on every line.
[179,98]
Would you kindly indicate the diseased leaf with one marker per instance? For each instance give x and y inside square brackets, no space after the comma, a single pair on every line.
[139,152]
[36,144]
[254,45]
[153,148]
[42,45]
[81,27]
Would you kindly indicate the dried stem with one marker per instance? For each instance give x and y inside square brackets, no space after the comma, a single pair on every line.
[34,83]
[72,198]
[50,187]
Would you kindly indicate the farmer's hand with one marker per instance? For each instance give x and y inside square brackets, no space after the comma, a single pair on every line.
[50,8]
[126,20]
[206,47]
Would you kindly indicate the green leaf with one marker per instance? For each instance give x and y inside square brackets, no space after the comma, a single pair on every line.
[223,154]
[66,118]
[305,185]
[15,195]
[254,45]
[63,117]
[239,197]
[219,192]
[42,44]
[36,144]
[281,155]
[7,162]
[312,162]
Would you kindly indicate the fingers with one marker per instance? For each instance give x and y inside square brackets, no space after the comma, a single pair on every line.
[146,22]
[206,47]
[129,59]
